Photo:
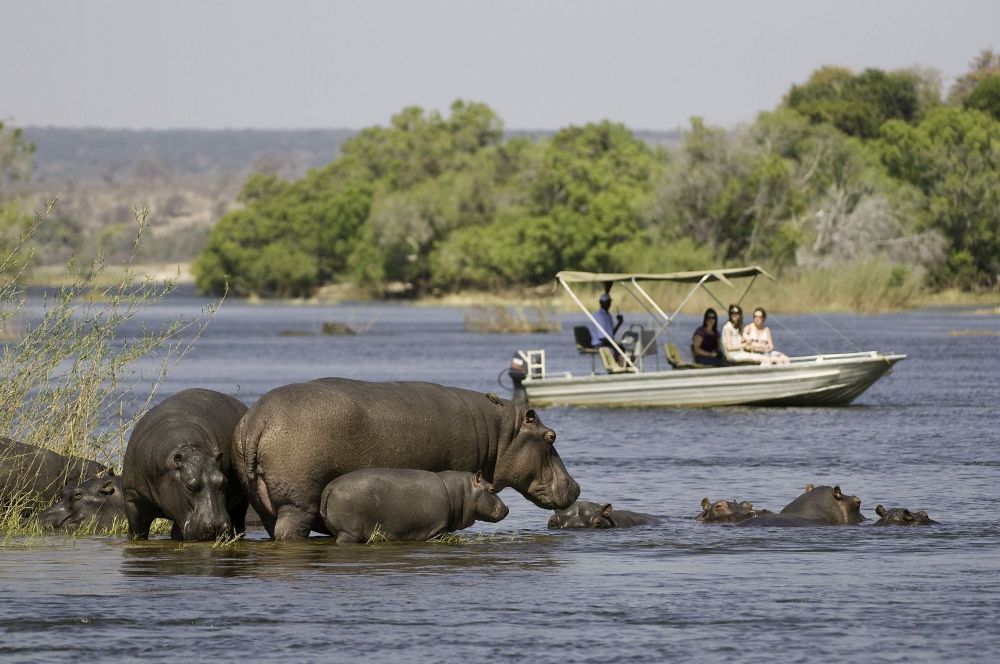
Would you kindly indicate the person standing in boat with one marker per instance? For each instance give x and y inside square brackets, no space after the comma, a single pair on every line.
[734,346]
[609,325]
[758,336]
[705,342]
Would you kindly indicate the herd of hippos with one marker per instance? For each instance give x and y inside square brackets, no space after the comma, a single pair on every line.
[350,459]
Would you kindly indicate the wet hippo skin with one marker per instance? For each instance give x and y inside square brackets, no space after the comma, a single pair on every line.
[178,466]
[298,438]
[98,501]
[406,504]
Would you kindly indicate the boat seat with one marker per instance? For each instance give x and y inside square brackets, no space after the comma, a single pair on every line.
[581,334]
[673,354]
[610,363]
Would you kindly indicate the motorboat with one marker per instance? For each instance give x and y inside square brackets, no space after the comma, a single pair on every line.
[632,376]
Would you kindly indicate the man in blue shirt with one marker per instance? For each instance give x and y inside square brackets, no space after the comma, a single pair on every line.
[603,318]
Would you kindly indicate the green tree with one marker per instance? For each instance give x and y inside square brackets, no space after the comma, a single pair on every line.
[953,158]
[985,65]
[985,97]
[858,104]
[585,190]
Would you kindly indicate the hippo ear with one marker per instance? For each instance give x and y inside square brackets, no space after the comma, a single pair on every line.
[606,509]
[218,459]
[111,472]
[907,514]
[705,503]
[809,487]
[880,510]
[107,489]
[530,417]
[747,505]
[478,478]
[837,493]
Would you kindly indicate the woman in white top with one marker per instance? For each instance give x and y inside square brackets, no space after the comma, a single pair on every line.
[734,346]
[757,336]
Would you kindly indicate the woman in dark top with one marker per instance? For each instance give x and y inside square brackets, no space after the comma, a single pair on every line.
[705,343]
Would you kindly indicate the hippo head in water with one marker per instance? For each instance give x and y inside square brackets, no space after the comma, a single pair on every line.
[900,516]
[196,498]
[97,501]
[826,504]
[727,511]
[529,463]
[583,514]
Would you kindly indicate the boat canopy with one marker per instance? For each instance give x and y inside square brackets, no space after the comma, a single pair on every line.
[697,276]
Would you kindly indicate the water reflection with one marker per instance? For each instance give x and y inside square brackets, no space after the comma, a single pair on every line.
[319,555]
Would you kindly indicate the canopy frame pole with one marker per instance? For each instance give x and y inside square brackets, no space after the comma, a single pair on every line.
[590,317]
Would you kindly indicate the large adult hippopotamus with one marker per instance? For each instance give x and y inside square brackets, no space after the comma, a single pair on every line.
[97,501]
[406,504]
[817,506]
[178,466]
[33,476]
[588,514]
[299,437]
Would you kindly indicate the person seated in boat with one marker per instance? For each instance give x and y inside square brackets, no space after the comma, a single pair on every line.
[735,348]
[608,324]
[758,337]
[705,341]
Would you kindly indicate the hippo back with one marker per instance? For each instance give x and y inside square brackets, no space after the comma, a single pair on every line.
[827,504]
[195,415]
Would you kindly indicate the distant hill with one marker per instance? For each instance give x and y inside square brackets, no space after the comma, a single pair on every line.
[63,155]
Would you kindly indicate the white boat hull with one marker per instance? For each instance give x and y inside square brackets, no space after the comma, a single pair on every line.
[824,380]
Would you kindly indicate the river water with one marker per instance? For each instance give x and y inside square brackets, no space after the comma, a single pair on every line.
[924,437]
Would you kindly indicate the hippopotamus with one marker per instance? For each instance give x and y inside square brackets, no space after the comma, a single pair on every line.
[900,516]
[97,501]
[728,511]
[178,466]
[298,438]
[586,514]
[33,476]
[818,506]
[406,504]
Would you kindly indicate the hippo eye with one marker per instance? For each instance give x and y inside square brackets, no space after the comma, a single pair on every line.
[77,495]
[193,486]
[489,488]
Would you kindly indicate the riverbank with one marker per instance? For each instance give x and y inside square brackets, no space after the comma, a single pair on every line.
[856,291]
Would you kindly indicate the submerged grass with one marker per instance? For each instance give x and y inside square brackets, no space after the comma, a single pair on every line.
[479,538]
[69,376]
[512,320]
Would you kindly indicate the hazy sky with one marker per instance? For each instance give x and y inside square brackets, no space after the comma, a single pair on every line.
[540,64]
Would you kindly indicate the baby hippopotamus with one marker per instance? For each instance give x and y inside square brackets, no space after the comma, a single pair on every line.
[406,504]
[587,514]
[728,511]
[900,516]
[818,506]
[97,501]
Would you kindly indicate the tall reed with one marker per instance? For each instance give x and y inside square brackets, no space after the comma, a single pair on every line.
[71,382]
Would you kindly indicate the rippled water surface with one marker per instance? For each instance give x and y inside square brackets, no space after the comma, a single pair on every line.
[924,437]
